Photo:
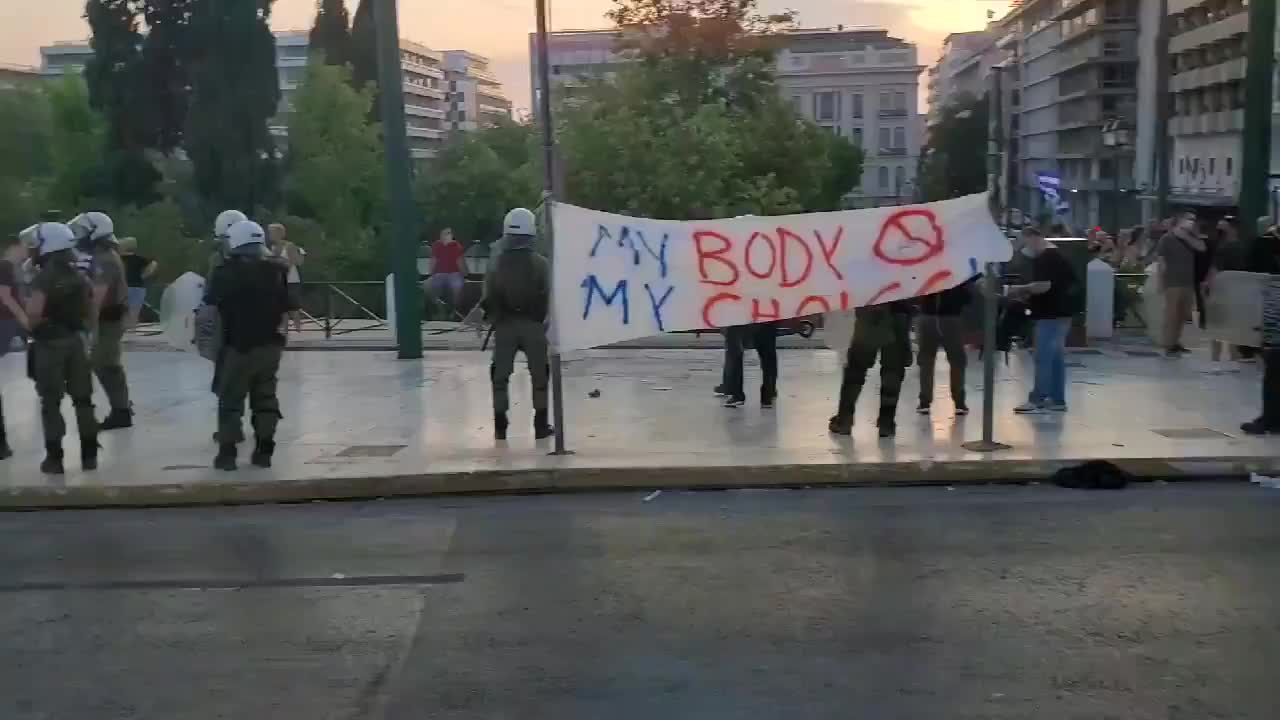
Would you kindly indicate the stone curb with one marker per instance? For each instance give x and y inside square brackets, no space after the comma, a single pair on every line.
[890,474]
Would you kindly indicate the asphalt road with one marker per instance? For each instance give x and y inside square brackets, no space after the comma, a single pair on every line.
[1154,602]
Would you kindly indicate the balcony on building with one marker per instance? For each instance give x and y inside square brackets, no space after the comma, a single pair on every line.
[1210,64]
[1086,18]
[424,91]
[415,131]
[1205,23]
[424,111]
[1209,110]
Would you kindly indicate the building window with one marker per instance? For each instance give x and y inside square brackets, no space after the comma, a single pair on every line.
[883,177]
[825,106]
[1212,163]
[1182,166]
[1230,164]
[857,137]
[884,138]
[899,179]
[857,105]
[899,101]
[899,137]
[886,100]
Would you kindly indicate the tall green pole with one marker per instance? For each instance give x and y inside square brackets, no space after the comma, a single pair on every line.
[1256,149]
[404,251]
[550,183]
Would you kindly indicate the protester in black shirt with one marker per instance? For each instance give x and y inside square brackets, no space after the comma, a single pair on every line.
[137,270]
[1054,298]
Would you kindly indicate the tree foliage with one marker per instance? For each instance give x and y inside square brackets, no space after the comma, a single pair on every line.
[955,160]
[165,73]
[234,93]
[702,51]
[335,170]
[696,127]
[477,178]
[117,90]
[331,32]
[25,157]
[364,54]
[77,142]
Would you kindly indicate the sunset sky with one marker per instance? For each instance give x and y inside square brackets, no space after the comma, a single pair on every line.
[498,28]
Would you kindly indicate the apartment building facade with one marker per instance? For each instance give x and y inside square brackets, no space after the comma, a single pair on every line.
[859,83]
[443,90]
[1206,95]
[476,98]
[962,70]
[1072,69]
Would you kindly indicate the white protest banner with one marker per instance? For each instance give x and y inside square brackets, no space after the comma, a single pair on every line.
[619,278]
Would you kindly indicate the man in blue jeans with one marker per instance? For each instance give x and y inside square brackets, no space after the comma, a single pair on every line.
[1053,295]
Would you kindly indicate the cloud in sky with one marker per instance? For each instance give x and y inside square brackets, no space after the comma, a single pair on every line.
[499,28]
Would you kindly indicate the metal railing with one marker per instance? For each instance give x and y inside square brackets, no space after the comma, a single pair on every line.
[338,310]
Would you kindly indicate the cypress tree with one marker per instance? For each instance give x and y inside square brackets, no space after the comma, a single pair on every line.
[234,93]
[331,33]
[165,72]
[114,80]
[364,55]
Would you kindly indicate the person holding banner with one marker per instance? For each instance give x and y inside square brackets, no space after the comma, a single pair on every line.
[884,331]
[764,336]
[941,324]
[517,298]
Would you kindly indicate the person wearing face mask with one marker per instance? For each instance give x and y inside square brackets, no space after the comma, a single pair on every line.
[1054,296]
[1178,251]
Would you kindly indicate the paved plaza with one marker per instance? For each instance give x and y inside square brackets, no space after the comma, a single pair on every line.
[362,424]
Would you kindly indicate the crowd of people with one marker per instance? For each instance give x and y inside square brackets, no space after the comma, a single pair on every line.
[71,290]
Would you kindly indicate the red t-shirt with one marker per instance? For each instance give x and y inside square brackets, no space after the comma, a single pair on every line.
[447,256]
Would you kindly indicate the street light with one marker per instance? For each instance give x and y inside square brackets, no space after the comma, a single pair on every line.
[1116,135]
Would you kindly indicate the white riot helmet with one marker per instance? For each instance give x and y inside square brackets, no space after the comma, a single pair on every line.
[29,237]
[225,220]
[245,232]
[49,238]
[93,226]
[520,222]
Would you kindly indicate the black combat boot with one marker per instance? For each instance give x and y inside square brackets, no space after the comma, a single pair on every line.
[52,464]
[541,428]
[89,452]
[262,453]
[117,419]
[887,423]
[500,426]
[226,459]
[840,425]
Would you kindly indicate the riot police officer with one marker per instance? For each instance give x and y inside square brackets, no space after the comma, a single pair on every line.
[252,296]
[60,311]
[95,234]
[517,297]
